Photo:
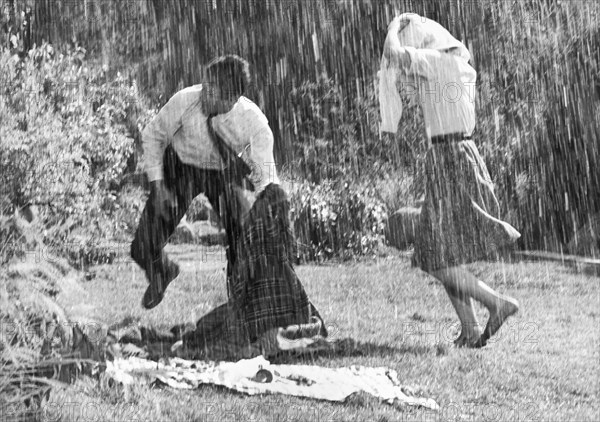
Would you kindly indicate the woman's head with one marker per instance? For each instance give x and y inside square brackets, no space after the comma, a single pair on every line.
[420,32]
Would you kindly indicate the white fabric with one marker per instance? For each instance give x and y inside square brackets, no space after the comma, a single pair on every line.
[390,102]
[441,81]
[332,384]
[420,32]
[182,124]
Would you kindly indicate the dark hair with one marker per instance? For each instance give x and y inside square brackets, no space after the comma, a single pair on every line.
[231,71]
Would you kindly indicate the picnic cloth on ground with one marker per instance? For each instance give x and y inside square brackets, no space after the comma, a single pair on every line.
[458,218]
[332,384]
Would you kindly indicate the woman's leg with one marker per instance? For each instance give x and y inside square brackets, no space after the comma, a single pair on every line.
[465,284]
[470,329]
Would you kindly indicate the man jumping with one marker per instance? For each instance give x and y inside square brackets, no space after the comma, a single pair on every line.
[182,159]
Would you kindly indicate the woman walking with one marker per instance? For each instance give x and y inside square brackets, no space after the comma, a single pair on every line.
[459,220]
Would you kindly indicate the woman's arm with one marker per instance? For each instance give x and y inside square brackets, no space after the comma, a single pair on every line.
[397,56]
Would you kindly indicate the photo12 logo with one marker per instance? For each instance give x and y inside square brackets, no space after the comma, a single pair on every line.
[268,410]
[72,410]
[523,332]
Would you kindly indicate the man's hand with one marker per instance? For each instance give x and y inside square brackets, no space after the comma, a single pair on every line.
[164,200]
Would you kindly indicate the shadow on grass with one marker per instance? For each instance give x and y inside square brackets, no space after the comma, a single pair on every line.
[157,344]
[349,347]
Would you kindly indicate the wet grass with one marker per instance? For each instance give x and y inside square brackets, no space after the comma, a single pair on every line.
[543,364]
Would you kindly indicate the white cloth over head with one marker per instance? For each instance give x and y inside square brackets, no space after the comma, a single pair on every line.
[439,77]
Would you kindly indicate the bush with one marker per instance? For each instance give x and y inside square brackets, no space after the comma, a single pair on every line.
[336,221]
[335,135]
[399,189]
[65,142]
[539,133]
[17,238]
[201,210]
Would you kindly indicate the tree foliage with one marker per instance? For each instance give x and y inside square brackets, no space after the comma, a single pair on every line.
[316,69]
[65,144]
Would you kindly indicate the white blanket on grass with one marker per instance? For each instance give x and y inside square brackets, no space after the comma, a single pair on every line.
[332,384]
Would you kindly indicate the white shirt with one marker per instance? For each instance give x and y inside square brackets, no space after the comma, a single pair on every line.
[443,83]
[182,124]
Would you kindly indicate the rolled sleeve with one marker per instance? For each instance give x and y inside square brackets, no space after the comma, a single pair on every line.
[157,135]
[264,171]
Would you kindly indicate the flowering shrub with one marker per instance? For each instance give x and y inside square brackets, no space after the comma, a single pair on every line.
[66,139]
[331,221]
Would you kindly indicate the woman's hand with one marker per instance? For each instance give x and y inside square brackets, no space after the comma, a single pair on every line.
[397,55]
[392,49]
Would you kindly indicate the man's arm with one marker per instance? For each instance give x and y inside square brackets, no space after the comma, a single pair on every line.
[154,143]
[247,125]
[261,155]
[158,134]
[155,138]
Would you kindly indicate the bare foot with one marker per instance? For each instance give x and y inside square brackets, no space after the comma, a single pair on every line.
[468,336]
[509,307]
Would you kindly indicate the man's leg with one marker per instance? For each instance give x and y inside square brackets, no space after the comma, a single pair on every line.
[188,182]
[155,228]
[151,236]
[230,204]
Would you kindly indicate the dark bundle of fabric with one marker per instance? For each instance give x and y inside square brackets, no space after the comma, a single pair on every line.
[264,290]
[264,287]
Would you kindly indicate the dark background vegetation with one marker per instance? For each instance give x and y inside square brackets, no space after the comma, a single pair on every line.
[72,109]
[102,68]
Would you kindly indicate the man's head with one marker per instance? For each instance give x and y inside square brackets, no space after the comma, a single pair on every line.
[228,78]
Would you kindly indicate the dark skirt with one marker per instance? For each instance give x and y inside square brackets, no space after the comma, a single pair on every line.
[264,286]
[274,297]
[264,291]
[455,225]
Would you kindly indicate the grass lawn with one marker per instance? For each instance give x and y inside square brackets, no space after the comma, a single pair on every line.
[542,366]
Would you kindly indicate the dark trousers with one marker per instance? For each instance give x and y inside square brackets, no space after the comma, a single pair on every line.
[186,182]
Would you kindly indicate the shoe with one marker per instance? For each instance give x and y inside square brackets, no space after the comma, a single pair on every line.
[161,277]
